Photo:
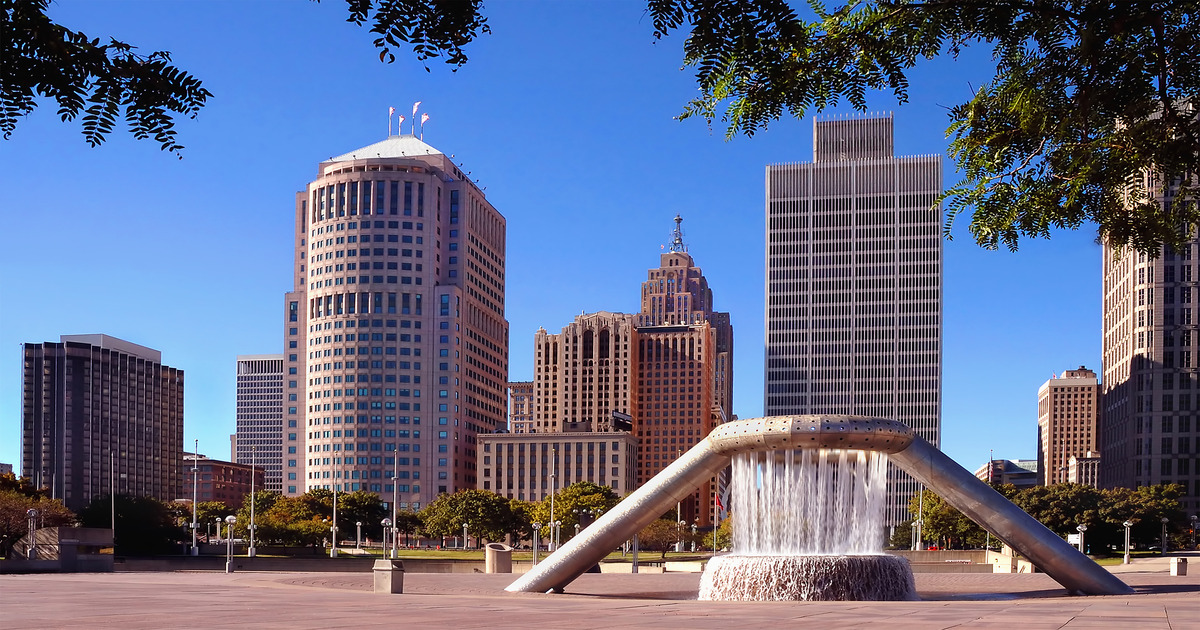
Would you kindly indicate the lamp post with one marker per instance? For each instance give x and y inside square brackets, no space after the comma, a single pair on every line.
[693,537]
[387,524]
[1165,520]
[253,464]
[358,534]
[553,491]
[218,530]
[333,531]
[537,533]
[231,519]
[1127,525]
[395,498]
[557,534]
[195,497]
[32,514]
[464,536]
[1081,528]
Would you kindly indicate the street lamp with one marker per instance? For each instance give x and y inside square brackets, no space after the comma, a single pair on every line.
[32,514]
[195,497]
[1127,525]
[1082,529]
[218,530]
[253,463]
[557,532]
[333,532]
[387,524]
[231,519]
[679,535]
[693,537]
[916,531]
[464,535]
[1165,520]
[537,533]
[358,535]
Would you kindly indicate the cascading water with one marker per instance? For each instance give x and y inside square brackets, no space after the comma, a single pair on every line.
[808,525]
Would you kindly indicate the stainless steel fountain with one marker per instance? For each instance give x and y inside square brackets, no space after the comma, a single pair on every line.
[837,455]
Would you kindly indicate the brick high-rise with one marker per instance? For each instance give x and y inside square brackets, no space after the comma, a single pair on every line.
[854,285]
[397,341]
[1068,423]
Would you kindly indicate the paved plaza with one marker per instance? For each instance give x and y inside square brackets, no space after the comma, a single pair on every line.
[212,600]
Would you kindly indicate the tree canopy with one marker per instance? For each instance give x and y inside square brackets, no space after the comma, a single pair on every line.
[1089,116]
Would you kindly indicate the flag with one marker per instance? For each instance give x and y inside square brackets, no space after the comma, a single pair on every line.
[717,498]
[424,117]
[415,106]
[391,111]
[401,120]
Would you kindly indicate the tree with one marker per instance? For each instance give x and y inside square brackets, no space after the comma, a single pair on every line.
[661,536]
[1087,97]
[724,534]
[100,81]
[14,509]
[361,507]
[942,522]
[487,515]
[145,526]
[570,504]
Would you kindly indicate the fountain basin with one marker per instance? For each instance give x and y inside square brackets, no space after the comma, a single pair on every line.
[808,578]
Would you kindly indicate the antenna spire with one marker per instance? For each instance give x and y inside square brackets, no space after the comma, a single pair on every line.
[677,244]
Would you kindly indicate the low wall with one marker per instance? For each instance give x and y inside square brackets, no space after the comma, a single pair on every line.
[306,565]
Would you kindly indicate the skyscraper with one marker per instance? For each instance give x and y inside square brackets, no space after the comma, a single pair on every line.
[260,419]
[520,407]
[854,285]
[397,341]
[1068,416]
[1150,432]
[684,368]
[584,373]
[101,414]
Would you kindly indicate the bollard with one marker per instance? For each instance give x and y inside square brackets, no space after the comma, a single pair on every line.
[497,558]
[1178,567]
[389,576]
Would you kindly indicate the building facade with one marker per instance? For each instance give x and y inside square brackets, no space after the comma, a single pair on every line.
[395,329]
[1150,432]
[854,285]
[532,466]
[1022,473]
[216,480]
[1068,422]
[6,469]
[584,374]
[260,419]
[520,407]
[1084,469]
[101,414]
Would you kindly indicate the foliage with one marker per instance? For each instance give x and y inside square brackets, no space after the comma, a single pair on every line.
[209,511]
[661,535]
[570,506]
[487,515]
[1086,97]
[14,507]
[100,81]
[361,507]
[22,485]
[432,27]
[1062,508]
[724,536]
[145,526]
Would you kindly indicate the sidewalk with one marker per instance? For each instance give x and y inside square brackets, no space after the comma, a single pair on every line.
[132,601]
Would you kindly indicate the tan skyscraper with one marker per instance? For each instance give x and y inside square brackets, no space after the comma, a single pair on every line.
[584,374]
[1068,423]
[397,341]
[684,368]
[520,407]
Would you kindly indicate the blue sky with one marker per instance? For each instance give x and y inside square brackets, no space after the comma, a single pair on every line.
[564,114]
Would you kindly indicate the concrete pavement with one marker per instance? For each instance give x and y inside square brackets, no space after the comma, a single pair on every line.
[344,600]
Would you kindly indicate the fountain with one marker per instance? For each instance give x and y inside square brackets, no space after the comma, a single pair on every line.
[808,526]
[799,547]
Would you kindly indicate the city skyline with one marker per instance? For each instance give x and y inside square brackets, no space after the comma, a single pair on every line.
[128,241]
